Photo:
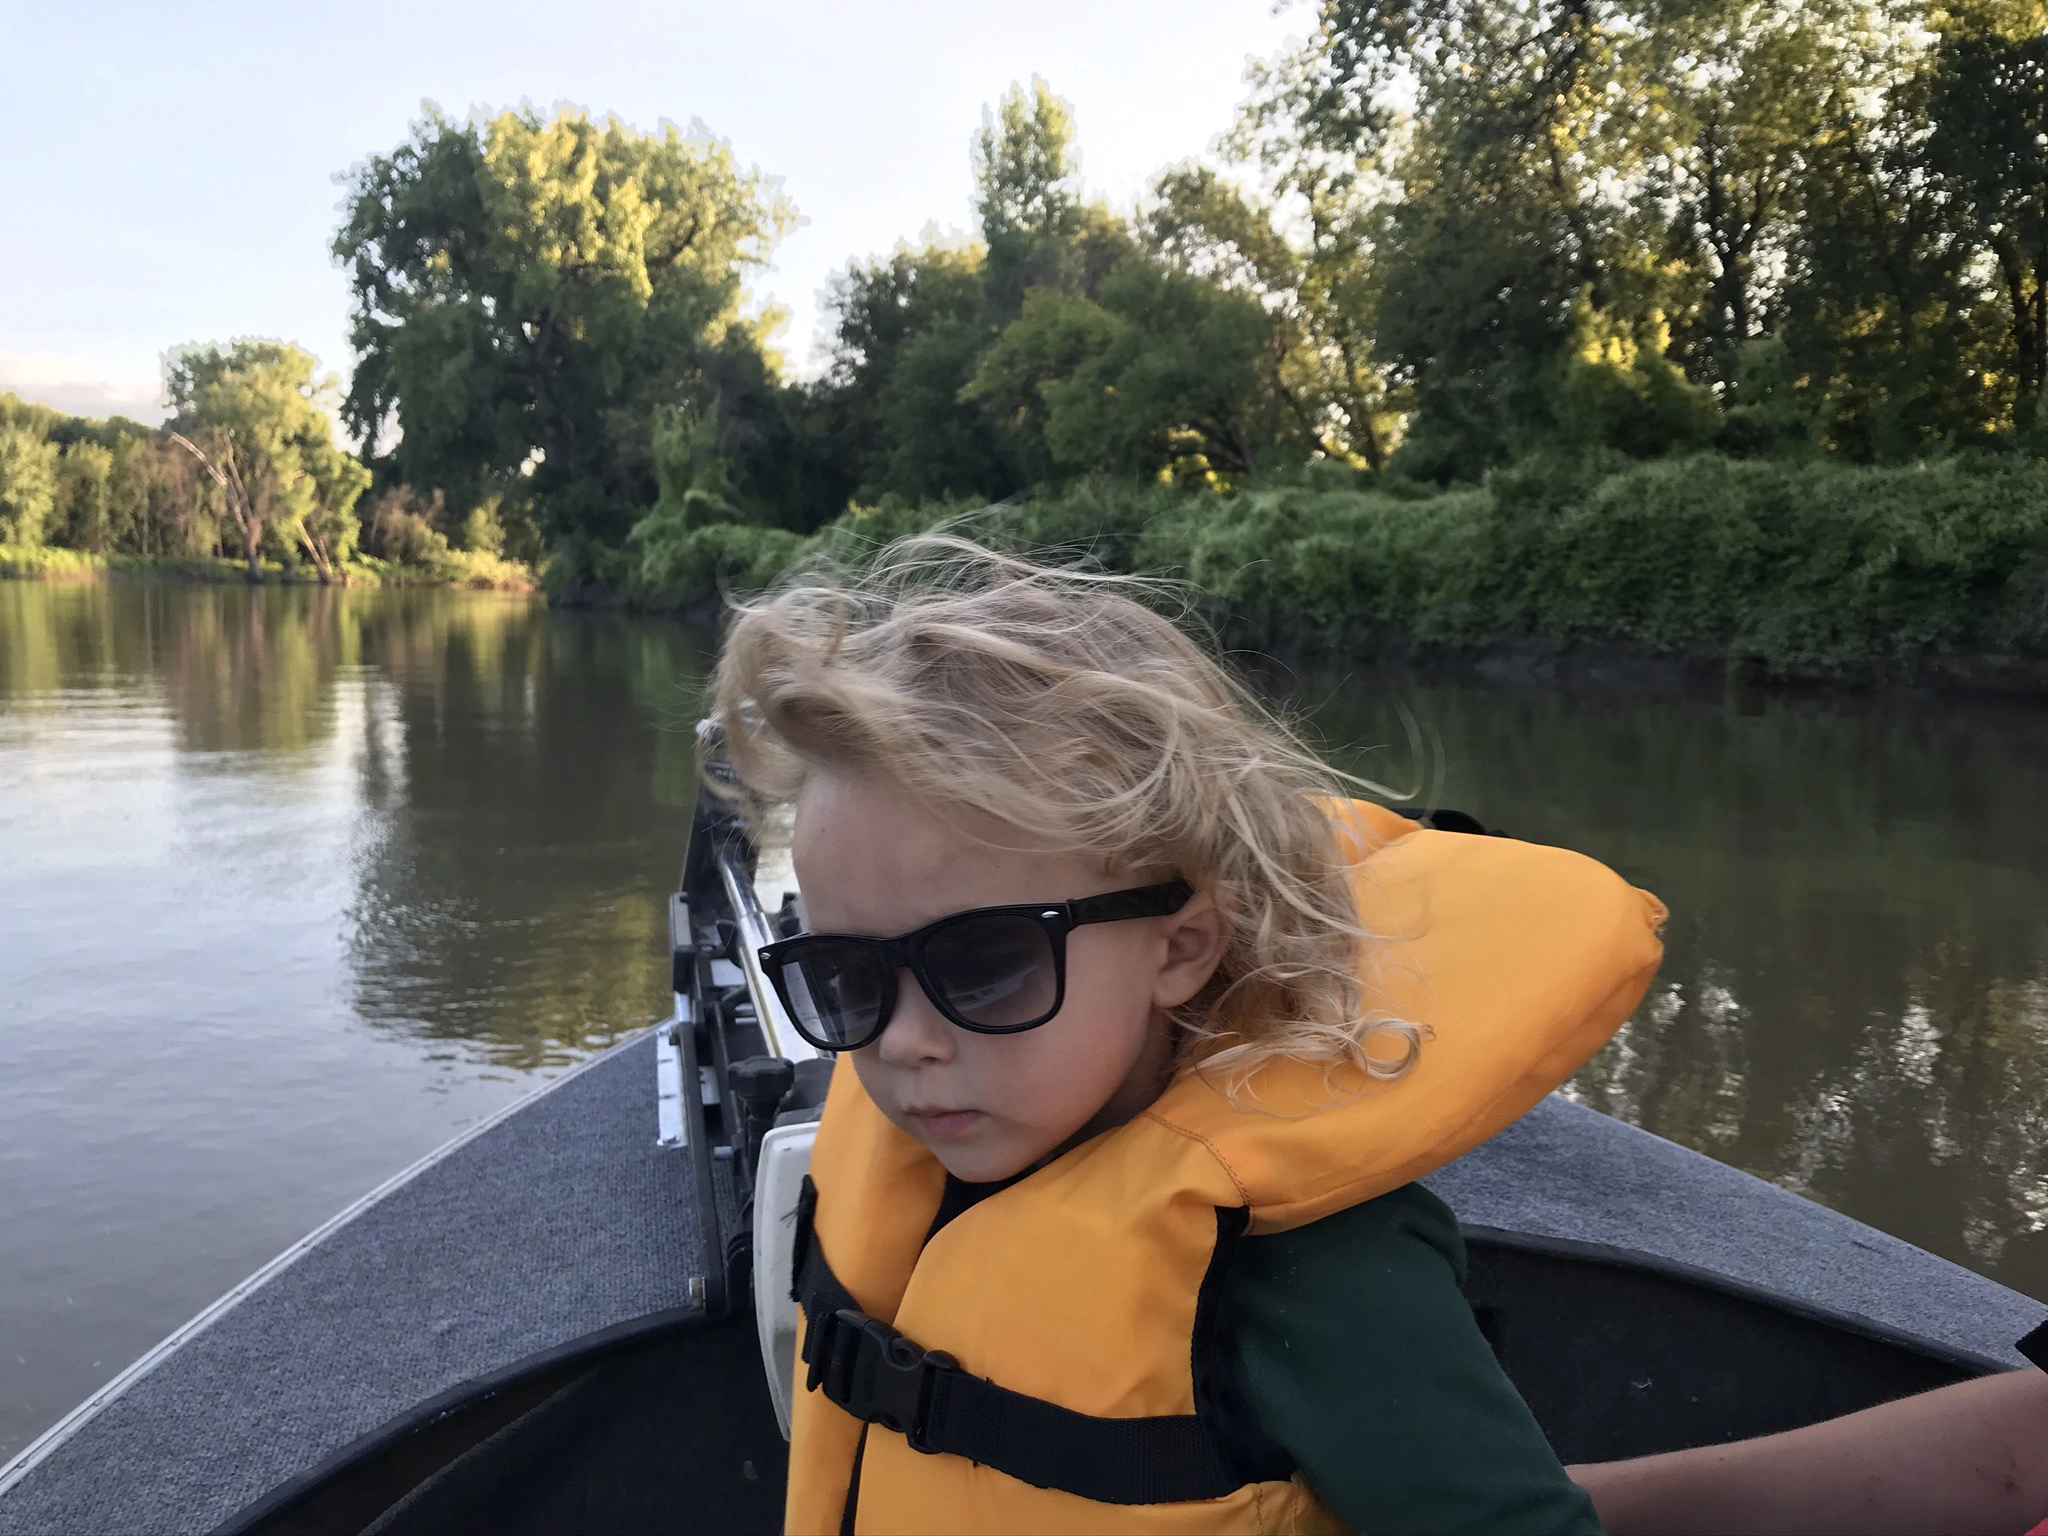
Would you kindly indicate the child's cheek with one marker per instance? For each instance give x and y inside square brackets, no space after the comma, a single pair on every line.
[1058,1077]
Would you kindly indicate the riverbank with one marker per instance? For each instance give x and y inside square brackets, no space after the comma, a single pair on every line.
[1932,575]
[463,569]
[1634,671]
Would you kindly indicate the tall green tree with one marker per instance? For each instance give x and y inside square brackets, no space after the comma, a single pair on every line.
[531,292]
[1884,337]
[28,483]
[1050,253]
[1467,146]
[1316,290]
[1735,99]
[1897,312]
[908,334]
[1557,201]
[912,331]
[85,496]
[1026,193]
[1987,113]
[1163,373]
[251,415]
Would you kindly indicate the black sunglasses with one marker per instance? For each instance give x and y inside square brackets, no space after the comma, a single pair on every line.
[994,970]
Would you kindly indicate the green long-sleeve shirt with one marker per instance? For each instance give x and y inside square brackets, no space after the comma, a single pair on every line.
[1356,1352]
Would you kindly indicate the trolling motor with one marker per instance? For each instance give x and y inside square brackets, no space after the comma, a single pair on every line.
[739,1091]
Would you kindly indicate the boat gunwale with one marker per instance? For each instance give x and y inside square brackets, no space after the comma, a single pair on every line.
[1642,1261]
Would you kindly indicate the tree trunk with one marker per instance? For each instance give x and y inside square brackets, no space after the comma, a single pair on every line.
[2030,347]
[321,563]
[1363,430]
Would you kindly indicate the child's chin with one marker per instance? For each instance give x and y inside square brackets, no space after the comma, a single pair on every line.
[985,1163]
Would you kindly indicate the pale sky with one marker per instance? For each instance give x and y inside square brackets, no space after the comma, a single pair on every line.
[168,174]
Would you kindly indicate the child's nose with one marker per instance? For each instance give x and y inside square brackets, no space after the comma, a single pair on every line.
[916,1032]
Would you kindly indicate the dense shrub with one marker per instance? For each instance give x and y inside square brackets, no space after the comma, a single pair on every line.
[1803,566]
[42,562]
[1800,565]
[695,565]
[405,527]
[403,543]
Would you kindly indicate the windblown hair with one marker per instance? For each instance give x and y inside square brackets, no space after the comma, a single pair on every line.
[1055,700]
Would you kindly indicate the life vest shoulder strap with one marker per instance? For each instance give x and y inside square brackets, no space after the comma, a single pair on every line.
[878,1376]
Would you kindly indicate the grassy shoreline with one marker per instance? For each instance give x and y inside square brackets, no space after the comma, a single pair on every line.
[1694,570]
[474,572]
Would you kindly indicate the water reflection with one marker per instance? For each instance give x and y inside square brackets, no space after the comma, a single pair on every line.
[514,902]
[521,781]
[1854,1002]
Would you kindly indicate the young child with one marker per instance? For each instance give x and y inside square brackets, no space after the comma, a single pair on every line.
[1148,1032]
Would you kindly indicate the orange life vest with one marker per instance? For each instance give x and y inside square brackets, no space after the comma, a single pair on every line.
[1089,1285]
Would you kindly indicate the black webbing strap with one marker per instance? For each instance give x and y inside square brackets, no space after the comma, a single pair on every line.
[880,1377]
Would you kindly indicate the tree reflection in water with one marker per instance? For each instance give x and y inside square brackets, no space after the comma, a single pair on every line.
[522,779]
[535,813]
[1854,1002]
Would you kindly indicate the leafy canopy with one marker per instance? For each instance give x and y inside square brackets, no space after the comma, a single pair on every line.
[255,413]
[529,292]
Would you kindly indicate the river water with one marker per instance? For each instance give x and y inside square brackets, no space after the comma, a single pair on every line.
[295,884]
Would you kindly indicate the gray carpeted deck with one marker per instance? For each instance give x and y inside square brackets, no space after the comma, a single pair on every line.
[565,1218]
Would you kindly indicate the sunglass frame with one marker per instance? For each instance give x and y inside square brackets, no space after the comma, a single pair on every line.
[905,952]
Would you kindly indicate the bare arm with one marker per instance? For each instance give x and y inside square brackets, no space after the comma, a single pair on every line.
[1971,1458]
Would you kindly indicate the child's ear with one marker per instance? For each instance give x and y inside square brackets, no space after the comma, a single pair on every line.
[1195,940]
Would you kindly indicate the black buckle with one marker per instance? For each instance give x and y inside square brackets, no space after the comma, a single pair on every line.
[876,1374]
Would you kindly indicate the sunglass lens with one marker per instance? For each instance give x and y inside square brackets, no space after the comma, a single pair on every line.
[994,971]
[835,993]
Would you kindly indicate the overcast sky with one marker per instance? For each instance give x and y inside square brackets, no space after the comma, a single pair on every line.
[170,168]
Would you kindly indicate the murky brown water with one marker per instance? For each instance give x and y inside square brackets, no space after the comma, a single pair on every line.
[1854,999]
[296,884]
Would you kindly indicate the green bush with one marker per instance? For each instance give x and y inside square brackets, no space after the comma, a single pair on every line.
[43,562]
[1794,563]
[684,567]
[1801,566]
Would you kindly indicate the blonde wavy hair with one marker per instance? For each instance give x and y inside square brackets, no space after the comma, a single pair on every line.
[1059,701]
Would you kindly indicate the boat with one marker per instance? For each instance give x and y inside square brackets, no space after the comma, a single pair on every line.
[574,1317]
